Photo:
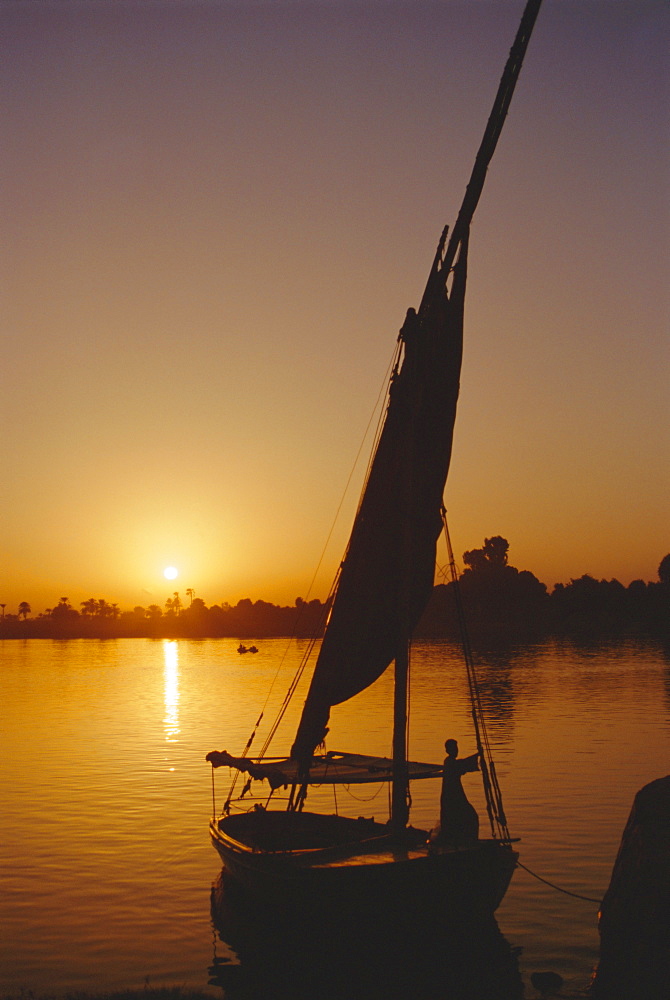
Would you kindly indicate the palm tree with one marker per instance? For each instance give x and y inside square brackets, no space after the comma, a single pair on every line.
[24,609]
[191,593]
[63,609]
[89,607]
[176,604]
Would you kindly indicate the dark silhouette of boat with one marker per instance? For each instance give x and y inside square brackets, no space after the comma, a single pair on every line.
[282,852]
[406,953]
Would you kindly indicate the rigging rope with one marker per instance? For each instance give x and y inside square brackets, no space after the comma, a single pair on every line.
[379,411]
[492,791]
[365,798]
[491,786]
[282,711]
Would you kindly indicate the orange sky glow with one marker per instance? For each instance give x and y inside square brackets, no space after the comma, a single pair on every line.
[215,218]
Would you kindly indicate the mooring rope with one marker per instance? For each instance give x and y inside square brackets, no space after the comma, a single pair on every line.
[588,899]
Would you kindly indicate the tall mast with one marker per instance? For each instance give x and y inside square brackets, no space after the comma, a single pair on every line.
[437,280]
[400,781]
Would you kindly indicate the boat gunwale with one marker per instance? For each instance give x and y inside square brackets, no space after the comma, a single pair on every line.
[313,856]
[367,845]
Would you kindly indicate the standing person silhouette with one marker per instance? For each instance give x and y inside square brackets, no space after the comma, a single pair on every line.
[459,822]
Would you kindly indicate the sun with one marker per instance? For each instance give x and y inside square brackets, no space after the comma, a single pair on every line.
[170,573]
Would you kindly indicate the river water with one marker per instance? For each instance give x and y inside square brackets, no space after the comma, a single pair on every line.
[105,861]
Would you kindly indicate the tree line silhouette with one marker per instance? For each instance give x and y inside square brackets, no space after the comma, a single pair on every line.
[497,599]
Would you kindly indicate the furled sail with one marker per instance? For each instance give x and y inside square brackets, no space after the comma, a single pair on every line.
[333,768]
[387,575]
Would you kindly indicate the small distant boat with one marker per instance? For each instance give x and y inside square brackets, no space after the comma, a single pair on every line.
[287,853]
[247,649]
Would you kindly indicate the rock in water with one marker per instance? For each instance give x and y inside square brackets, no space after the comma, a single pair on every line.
[546,982]
[635,912]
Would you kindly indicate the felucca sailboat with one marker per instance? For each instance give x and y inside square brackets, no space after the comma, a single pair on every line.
[383,586]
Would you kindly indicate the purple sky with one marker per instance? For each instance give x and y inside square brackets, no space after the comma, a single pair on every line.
[215,216]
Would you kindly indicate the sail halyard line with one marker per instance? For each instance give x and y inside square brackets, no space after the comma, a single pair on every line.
[386,391]
[382,396]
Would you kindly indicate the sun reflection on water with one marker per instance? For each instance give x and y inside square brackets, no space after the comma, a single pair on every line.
[171,673]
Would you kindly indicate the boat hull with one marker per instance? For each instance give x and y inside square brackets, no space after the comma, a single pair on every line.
[332,858]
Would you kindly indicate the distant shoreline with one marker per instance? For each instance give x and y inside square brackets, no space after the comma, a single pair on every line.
[498,601]
[482,627]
